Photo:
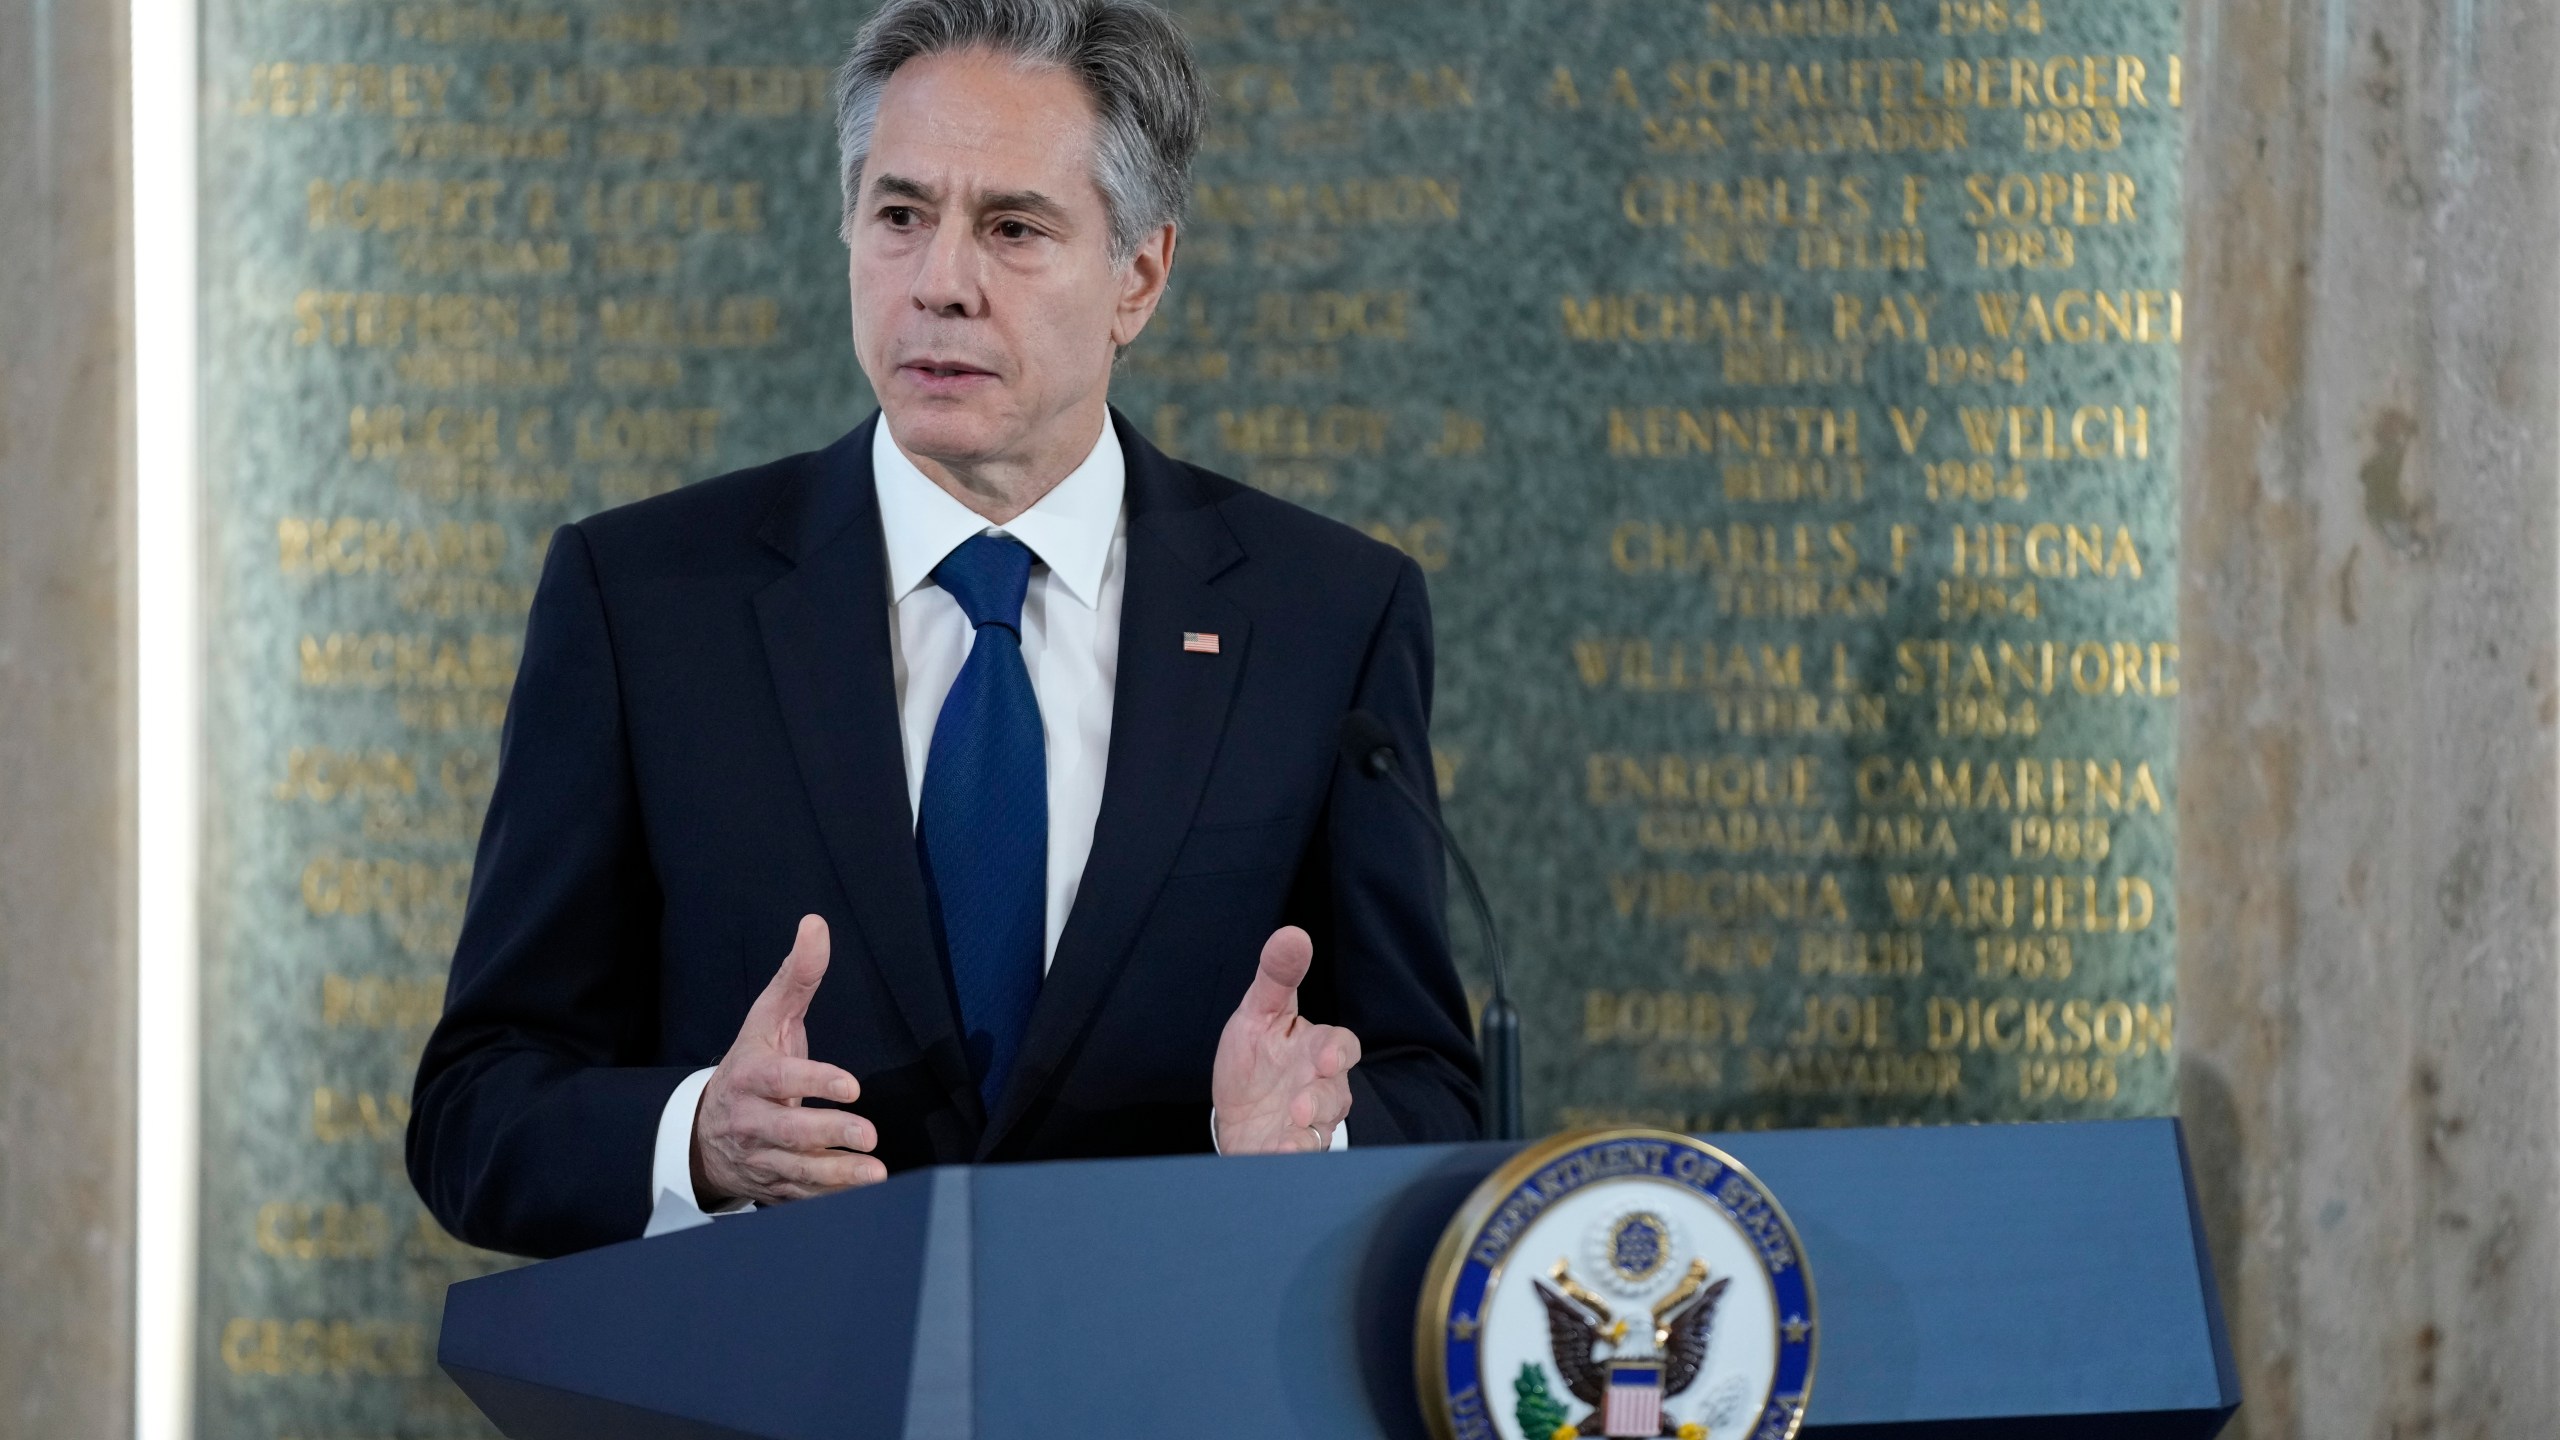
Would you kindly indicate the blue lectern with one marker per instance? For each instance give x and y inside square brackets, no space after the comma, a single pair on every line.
[1982,1281]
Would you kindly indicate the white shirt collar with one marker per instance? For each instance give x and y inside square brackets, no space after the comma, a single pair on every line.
[1070,529]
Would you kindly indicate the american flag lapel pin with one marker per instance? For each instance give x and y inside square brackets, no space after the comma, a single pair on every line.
[1199,642]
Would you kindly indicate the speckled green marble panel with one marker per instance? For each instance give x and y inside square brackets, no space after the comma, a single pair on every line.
[472,271]
[1780,397]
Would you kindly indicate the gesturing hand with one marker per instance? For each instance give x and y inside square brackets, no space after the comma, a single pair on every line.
[1281,1083]
[751,1138]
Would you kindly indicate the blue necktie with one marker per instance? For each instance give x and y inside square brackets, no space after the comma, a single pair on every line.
[983,828]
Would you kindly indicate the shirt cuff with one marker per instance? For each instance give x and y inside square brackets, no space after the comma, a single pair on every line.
[673,1204]
[1341,1134]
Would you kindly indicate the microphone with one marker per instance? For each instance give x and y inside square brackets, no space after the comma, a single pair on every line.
[1371,750]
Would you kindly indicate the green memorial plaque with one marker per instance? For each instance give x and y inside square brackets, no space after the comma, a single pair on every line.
[1781,399]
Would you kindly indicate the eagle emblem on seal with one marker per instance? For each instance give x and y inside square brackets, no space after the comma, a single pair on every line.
[1617,1284]
[1622,1366]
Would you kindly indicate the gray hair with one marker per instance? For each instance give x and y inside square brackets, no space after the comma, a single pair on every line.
[1147,98]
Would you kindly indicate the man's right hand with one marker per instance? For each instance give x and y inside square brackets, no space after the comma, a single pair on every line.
[752,1140]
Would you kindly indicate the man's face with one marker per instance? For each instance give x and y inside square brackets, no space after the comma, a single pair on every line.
[985,302]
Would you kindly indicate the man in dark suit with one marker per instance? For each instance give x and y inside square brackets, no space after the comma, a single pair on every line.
[1016,734]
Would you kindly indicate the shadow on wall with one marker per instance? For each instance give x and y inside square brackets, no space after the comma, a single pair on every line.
[2214,1150]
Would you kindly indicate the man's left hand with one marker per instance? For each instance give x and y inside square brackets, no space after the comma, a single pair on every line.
[1281,1083]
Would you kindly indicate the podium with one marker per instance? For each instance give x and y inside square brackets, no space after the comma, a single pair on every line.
[1976,1281]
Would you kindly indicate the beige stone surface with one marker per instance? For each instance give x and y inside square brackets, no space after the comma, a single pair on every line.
[66,1202]
[2367,822]
[2369,981]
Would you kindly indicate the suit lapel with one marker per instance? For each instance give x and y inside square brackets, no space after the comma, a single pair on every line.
[826,639]
[1168,713]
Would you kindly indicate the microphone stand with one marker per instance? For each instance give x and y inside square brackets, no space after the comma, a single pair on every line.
[1498,1029]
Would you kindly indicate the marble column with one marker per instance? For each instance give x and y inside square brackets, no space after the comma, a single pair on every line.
[2366,817]
[66,953]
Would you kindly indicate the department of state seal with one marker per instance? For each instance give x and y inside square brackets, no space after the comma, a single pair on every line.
[1707,1328]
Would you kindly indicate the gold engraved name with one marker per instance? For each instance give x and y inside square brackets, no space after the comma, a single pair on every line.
[2053,1027]
[311,1347]
[1360,203]
[2085,903]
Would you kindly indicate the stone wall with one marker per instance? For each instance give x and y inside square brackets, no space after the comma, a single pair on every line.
[2366,825]
[66,995]
[2367,831]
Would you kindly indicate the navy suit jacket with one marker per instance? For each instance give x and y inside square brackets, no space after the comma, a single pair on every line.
[703,746]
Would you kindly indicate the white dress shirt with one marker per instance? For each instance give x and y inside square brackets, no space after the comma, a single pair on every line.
[1070,631]
[1079,534]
